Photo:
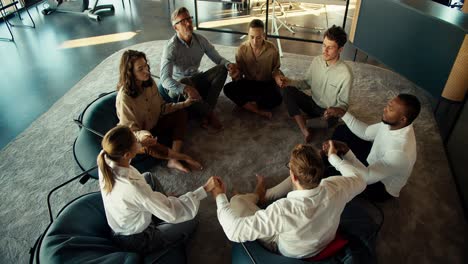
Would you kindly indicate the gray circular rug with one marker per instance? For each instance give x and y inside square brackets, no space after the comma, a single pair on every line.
[420,226]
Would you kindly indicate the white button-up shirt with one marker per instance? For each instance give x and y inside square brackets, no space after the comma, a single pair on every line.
[131,202]
[305,222]
[392,155]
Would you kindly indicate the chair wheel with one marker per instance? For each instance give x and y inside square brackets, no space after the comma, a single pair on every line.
[46,12]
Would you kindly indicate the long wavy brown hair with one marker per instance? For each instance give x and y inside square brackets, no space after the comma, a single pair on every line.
[127,81]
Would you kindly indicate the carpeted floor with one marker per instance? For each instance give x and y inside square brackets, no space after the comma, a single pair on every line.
[424,225]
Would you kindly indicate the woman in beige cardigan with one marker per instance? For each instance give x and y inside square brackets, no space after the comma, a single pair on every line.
[141,108]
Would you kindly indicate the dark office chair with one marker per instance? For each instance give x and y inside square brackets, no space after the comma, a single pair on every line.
[9,25]
[78,7]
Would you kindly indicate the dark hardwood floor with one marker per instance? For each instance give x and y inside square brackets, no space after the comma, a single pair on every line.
[36,72]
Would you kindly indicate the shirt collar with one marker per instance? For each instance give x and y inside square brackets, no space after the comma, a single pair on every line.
[183,42]
[119,170]
[304,193]
[401,131]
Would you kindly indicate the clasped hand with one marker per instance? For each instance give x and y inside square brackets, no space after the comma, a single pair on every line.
[281,80]
[192,93]
[330,147]
[215,186]
[233,71]
[334,112]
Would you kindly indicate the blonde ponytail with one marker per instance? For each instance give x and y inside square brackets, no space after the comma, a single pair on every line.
[107,174]
[118,141]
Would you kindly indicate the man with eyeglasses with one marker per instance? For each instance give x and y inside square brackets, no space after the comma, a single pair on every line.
[329,80]
[180,76]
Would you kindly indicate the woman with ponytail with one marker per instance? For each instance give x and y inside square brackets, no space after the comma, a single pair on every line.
[142,217]
[141,107]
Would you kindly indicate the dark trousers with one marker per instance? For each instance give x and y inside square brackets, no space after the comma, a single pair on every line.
[361,149]
[208,84]
[265,94]
[171,127]
[296,101]
[158,236]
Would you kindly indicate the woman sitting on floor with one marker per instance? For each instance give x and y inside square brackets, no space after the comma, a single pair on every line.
[141,107]
[136,207]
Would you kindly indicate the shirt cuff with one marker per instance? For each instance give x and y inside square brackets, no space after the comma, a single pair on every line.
[349,156]
[334,160]
[180,88]
[221,200]
[200,193]
[347,117]
[142,134]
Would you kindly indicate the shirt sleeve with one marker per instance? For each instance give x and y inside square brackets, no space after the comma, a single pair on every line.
[240,60]
[304,84]
[361,129]
[352,177]
[167,67]
[128,116]
[391,162]
[171,209]
[343,95]
[167,108]
[276,64]
[280,190]
[211,52]
[264,223]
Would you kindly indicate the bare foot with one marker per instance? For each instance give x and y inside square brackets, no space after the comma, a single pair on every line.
[215,123]
[266,114]
[308,135]
[175,164]
[195,165]
[260,189]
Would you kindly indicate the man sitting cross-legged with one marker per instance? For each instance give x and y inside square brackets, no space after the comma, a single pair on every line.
[329,80]
[303,223]
[180,74]
[257,77]
[383,153]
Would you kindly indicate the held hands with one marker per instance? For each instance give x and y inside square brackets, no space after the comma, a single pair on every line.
[215,186]
[281,80]
[191,92]
[334,112]
[234,71]
[189,101]
[334,147]
[149,141]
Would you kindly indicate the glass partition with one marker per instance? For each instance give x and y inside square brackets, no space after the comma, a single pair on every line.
[304,20]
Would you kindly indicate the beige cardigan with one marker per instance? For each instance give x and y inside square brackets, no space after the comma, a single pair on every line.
[142,113]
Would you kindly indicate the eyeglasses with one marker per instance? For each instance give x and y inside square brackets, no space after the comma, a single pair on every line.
[287,165]
[184,19]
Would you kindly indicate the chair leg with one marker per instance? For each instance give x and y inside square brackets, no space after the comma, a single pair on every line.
[9,30]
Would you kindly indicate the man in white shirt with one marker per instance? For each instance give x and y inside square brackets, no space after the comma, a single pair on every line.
[391,156]
[303,223]
[329,80]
